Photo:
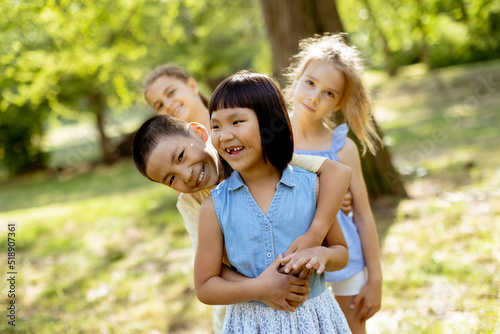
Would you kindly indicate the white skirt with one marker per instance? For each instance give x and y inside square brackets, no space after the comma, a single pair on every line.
[321,314]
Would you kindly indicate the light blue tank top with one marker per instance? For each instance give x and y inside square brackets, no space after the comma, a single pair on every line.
[356,260]
[253,240]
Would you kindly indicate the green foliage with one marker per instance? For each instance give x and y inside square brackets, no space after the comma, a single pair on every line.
[20,135]
[65,58]
[211,39]
[438,33]
[104,249]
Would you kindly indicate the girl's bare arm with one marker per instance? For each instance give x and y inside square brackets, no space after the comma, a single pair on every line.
[365,222]
[332,257]
[212,289]
[334,179]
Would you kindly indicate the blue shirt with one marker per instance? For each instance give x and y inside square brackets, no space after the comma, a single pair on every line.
[356,260]
[253,240]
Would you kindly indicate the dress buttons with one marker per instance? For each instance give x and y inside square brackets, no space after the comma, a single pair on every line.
[269,254]
[267,227]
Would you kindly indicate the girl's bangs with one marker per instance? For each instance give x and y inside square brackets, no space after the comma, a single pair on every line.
[235,98]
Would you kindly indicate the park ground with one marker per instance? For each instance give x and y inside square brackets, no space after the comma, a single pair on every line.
[100,249]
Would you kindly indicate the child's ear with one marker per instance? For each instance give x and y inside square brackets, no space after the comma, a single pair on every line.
[200,130]
[194,85]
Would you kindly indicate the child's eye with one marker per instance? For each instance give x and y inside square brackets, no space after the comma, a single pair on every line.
[237,122]
[171,180]
[180,157]
[330,94]
[159,106]
[309,82]
[215,127]
[170,92]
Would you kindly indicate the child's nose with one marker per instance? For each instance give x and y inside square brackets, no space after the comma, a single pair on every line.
[168,105]
[314,97]
[226,135]
[187,174]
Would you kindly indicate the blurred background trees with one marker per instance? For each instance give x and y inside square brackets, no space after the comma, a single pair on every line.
[289,22]
[64,61]
[102,249]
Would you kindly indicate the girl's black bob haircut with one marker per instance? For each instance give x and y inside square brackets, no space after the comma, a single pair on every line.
[261,94]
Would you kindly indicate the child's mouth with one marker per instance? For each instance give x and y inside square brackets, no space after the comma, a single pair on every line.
[176,110]
[202,174]
[234,151]
[307,107]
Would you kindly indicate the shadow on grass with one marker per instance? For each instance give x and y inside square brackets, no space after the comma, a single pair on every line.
[385,212]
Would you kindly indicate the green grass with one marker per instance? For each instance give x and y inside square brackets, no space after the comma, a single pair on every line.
[103,250]
[448,116]
[440,247]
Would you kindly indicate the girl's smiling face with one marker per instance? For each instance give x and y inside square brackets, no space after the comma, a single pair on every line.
[236,136]
[318,91]
[174,97]
[186,164]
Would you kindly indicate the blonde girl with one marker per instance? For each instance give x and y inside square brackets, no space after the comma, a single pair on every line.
[324,83]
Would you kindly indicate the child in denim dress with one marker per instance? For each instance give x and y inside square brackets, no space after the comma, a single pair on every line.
[258,212]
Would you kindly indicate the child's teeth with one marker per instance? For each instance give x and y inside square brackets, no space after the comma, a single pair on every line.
[232,150]
[201,174]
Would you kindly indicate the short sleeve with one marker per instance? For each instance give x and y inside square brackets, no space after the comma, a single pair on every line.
[339,136]
[307,162]
[189,208]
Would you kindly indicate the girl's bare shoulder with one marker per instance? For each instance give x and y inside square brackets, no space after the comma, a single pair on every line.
[349,154]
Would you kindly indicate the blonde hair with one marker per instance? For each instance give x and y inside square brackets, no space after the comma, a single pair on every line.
[355,100]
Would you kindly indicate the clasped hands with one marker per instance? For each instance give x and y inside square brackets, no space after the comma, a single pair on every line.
[286,278]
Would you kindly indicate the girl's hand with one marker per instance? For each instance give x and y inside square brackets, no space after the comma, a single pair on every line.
[368,301]
[302,273]
[347,203]
[303,242]
[284,290]
[311,258]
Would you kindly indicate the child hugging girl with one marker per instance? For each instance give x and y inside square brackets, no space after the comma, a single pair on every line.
[324,80]
[258,211]
[170,90]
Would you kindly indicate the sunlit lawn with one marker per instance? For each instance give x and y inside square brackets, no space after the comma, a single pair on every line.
[104,250]
[440,248]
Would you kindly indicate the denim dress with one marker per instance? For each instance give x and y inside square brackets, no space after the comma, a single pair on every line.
[253,240]
[356,259]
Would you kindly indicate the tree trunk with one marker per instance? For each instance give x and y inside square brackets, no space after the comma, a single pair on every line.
[380,176]
[289,21]
[98,106]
